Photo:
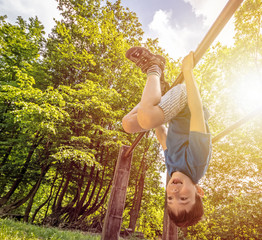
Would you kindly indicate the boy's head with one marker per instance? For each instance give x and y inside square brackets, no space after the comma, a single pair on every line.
[184,200]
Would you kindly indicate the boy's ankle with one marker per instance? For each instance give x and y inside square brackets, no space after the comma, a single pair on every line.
[154,70]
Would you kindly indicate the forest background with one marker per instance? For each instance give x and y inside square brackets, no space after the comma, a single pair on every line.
[62,99]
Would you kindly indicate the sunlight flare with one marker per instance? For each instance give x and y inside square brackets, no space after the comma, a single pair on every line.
[248,93]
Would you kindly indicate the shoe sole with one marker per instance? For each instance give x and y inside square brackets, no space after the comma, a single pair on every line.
[134,50]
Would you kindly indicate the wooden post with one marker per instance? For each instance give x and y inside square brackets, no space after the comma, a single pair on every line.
[170,230]
[113,219]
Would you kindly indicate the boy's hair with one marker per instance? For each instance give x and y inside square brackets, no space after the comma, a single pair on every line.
[185,219]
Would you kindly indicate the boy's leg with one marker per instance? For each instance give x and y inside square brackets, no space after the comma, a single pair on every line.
[153,110]
[130,123]
[173,101]
[170,104]
[149,114]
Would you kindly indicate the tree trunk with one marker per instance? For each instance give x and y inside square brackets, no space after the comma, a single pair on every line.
[57,193]
[96,207]
[15,185]
[101,182]
[21,201]
[62,194]
[6,156]
[8,152]
[3,183]
[92,193]
[44,170]
[72,211]
[134,212]
[44,203]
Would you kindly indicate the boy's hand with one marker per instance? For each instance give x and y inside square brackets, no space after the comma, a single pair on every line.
[188,62]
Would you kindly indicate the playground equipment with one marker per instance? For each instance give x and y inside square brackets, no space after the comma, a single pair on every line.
[113,219]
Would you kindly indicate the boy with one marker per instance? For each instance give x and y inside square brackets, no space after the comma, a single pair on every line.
[187,145]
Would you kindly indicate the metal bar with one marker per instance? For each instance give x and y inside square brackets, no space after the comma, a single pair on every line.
[213,32]
[134,144]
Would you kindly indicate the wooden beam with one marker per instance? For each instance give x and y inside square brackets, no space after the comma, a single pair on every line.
[237,124]
[134,144]
[169,228]
[113,219]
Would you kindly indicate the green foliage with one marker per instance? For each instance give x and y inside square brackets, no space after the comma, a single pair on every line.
[19,52]
[61,104]
[151,214]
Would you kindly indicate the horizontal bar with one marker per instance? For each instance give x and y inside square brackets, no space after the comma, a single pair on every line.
[237,124]
[213,32]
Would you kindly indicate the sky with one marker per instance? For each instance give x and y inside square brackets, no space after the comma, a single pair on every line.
[180,25]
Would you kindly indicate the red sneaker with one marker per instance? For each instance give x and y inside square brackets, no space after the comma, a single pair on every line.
[144,59]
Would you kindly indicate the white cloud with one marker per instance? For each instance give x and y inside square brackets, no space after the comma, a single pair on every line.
[177,41]
[45,10]
[208,9]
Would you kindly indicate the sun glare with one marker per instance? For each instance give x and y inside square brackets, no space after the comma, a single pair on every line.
[248,93]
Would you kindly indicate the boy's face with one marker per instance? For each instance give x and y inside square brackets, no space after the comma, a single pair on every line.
[181,192]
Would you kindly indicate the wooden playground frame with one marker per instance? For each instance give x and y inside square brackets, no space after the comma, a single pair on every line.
[113,219]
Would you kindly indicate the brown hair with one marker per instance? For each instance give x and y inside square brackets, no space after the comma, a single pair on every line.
[184,218]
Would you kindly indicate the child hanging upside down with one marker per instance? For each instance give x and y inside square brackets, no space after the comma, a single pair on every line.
[187,143]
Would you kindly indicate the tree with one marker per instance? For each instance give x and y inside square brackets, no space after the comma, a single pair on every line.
[29,116]
[86,59]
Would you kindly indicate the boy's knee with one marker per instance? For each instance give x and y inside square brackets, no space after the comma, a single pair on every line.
[126,124]
[144,118]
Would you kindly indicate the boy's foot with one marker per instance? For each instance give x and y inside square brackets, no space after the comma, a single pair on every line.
[144,59]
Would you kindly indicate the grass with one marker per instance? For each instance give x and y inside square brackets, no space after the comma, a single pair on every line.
[12,230]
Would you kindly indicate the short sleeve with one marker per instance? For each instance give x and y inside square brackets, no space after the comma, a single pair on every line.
[198,154]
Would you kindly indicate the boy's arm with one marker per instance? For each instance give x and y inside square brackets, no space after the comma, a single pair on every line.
[161,135]
[197,121]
